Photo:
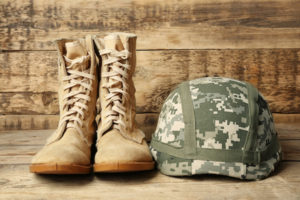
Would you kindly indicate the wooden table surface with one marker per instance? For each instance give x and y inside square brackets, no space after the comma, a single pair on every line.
[18,147]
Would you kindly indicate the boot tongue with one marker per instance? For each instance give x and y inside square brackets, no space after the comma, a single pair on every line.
[113,42]
[75,53]
[75,50]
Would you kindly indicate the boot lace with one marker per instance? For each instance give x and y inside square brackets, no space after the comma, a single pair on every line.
[75,101]
[117,74]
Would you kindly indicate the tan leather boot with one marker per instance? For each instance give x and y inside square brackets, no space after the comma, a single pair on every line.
[121,146]
[68,150]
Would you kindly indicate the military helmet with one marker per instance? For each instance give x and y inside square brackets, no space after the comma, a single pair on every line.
[216,125]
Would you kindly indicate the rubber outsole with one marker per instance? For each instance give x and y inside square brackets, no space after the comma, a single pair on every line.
[123,167]
[60,169]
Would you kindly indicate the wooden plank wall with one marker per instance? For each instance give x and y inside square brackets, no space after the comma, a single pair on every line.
[257,41]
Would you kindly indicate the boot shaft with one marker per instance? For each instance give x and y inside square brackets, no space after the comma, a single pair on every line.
[76,57]
[116,90]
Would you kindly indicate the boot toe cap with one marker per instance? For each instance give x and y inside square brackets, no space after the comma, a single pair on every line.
[61,154]
[113,148]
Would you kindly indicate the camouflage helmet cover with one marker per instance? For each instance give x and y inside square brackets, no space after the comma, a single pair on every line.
[216,125]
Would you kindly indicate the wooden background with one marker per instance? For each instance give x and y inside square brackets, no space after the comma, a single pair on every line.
[256,41]
[253,40]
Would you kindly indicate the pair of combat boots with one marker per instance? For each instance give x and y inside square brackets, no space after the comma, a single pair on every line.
[96,92]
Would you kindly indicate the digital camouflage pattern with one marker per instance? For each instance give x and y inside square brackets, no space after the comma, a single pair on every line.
[266,129]
[226,102]
[174,166]
[170,127]
[222,122]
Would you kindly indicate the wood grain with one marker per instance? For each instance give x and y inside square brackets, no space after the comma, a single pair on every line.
[290,149]
[288,131]
[286,118]
[10,150]
[28,71]
[29,79]
[24,137]
[28,122]
[33,24]
[29,103]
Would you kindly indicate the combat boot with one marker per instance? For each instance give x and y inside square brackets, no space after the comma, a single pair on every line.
[121,146]
[68,150]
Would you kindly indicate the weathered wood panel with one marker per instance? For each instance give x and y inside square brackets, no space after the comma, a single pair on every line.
[29,84]
[288,131]
[287,118]
[29,79]
[32,24]
[28,103]
[28,122]
[28,71]
[274,72]
[24,138]
[18,183]
[11,150]
[291,149]
[15,159]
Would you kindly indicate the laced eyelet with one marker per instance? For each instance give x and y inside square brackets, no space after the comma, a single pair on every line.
[116,75]
[76,99]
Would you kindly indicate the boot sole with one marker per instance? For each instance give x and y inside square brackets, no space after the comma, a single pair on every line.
[123,167]
[60,169]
